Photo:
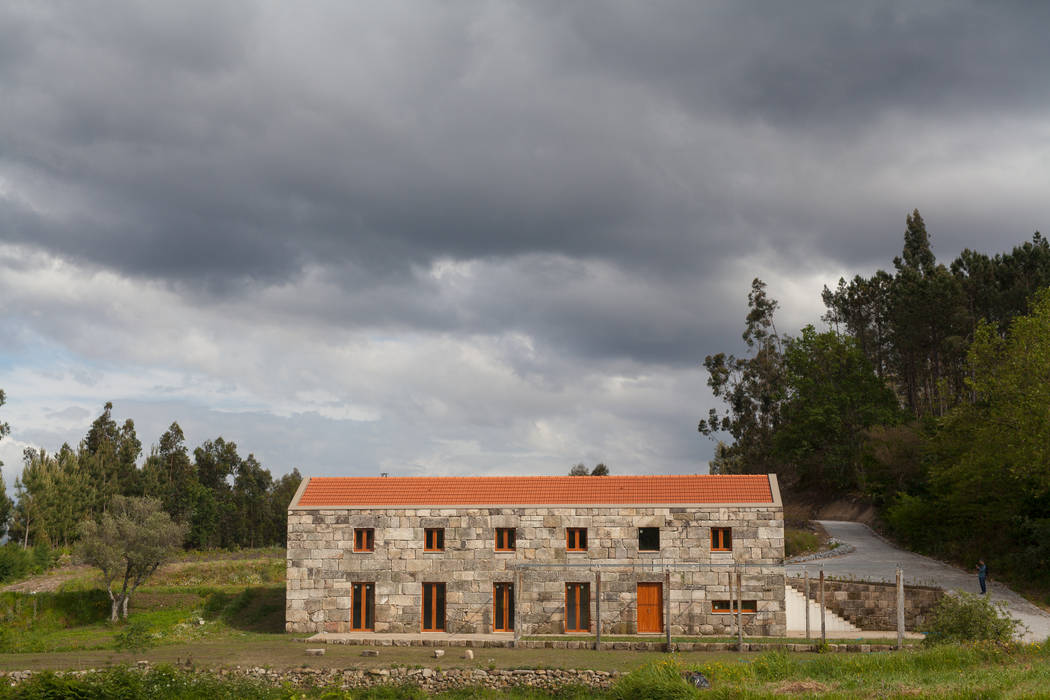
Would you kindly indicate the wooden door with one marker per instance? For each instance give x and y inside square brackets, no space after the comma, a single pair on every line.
[650,608]
[577,607]
[363,605]
[502,607]
[433,607]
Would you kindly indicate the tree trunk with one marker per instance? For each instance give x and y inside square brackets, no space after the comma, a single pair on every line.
[124,607]
[115,608]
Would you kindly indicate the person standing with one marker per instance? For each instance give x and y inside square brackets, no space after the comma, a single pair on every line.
[982,575]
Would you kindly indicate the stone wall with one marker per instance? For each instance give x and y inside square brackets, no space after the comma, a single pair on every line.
[322,565]
[873,606]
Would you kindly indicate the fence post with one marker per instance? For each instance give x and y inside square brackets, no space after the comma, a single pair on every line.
[739,613]
[517,607]
[900,608]
[667,607]
[598,610]
[805,575]
[823,625]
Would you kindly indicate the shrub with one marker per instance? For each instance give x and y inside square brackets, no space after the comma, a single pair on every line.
[656,680]
[799,541]
[964,617]
[15,562]
[135,636]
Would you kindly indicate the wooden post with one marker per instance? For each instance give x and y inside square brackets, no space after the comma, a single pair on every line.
[823,626]
[900,608]
[517,607]
[598,610]
[739,613]
[805,576]
[667,609]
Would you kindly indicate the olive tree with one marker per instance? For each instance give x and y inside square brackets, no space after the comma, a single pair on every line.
[128,543]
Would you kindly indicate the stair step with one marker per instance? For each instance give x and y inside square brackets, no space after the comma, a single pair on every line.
[795,602]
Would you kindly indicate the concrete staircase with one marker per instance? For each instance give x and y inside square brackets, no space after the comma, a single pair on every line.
[796,615]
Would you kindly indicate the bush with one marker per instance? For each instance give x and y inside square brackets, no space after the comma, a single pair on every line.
[798,541]
[16,562]
[656,680]
[135,636]
[964,617]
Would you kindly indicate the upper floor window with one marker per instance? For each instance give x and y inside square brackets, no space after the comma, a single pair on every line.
[434,539]
[505,539]
[721,539]
[648,539]
[576,539]
[364,539]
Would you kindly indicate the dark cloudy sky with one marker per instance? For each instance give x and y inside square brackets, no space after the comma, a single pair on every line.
[473,237]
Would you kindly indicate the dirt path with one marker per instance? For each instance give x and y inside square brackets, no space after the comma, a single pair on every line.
[47,582]
[53,580]
[875,559]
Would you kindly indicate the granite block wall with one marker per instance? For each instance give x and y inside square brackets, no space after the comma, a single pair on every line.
[873,605]
[322,565]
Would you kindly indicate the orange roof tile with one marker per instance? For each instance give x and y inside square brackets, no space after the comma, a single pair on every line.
[534,490]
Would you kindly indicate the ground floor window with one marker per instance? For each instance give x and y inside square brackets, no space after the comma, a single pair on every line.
[725,606]
[502,607]
[577,607]
[363,606]
[433,607]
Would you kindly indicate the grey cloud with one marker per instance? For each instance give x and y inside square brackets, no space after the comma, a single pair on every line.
[196,143]
[604,166]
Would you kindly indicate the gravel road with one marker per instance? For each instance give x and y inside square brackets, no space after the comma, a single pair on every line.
[875,559]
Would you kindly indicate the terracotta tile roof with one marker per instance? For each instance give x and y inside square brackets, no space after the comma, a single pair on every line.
[534,490]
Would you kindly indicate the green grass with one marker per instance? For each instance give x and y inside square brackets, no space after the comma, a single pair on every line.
[659,639]
[981,670]
[799,541]
[79,620]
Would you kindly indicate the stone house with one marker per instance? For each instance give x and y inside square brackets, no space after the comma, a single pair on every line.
[544,555]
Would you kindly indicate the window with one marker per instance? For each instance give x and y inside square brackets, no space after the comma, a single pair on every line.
[576,539]
[577,607]
[503,607]
[505,539]
[434,539]
[724,606]
[433,607]
[721,539]
[364,539]
[363,604]
[648,539]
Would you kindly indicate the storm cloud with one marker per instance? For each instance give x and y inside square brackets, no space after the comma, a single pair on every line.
[488,234]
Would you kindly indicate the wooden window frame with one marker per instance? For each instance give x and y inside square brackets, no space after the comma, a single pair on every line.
[640,548]
[576,539]
[356,602]
[433,610]
[364,539]
[580,609]
[726,607]
[506,539]
[508,605]
[721,539]
[437,534]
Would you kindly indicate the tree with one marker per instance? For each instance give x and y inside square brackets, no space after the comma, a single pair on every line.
[108,454]
[581,470]
[128,543]
[752,388]
[5,501]
[833,398]
[168,473]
